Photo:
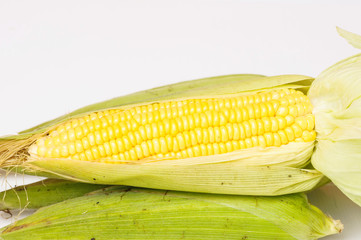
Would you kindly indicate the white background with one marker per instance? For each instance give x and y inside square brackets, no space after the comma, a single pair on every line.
[56,56]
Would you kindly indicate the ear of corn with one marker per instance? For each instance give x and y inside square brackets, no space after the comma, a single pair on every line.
[238,134]
[43,193]
[132,213]
[336,97]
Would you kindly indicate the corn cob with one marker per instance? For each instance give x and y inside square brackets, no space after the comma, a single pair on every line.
[43,193]
[237,134]
[132,213]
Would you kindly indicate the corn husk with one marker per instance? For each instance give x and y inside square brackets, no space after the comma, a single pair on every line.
[336,96]
[133,213]
[43,193]
[256,171]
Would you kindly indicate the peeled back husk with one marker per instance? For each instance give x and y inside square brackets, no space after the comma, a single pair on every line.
[134,213]
[336,97]
[254,171]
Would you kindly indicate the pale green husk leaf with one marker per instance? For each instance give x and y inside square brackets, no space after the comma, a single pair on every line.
[255,171]
[352,38]
[336,97]
[126,213]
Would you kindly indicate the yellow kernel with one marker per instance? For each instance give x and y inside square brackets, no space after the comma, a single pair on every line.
[247,129]
[120,145]
[155,130]
[113,147]
[260,127]
[203,149]
[127,143]
[78,132]
[193,138]
[254,127]
[300,109]
[187,139]
[274,124]
[229,146]
[89,155]
[216,149]
[108,149]
[56,152]
[150,147]
[133,154]
[235,145]
[71,148]
[245,116]
[283,136]
[257,111]
[138,150]
[264,110]
[248,143]
[310,122]
[173,127]
[242,144]
[145,149]
[132,138]
[217,134]
[251,112]
[64,151]
[290,134]
[254,140]
[281,122]
[302,122]
[282,111]
[210,149]
[222,148]
[64,137]
[102,151]
[156,145]
[289,120]
[224,134]
[269,139]
[267,125]
[262,141]
[309,136]
[276,140]
[98,138]
[270,109]
[95,152]
[296,130]
[236,131]
[293,111]
[163,145]
[97,124]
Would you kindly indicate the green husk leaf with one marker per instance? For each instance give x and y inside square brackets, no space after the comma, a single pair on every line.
[43,193]
[352,38]
[336,97]
[132,213]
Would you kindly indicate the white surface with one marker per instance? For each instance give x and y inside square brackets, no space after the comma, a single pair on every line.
[56,56]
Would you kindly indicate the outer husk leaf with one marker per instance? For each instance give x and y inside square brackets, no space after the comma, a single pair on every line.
[336,96]
[352,38]
[250,172]
[152,214]
[43,193]
[244,172]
